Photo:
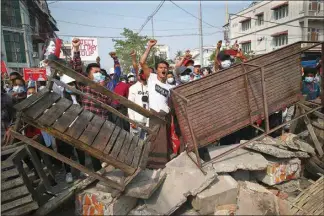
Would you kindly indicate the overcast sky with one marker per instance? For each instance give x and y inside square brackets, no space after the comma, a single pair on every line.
[169,21]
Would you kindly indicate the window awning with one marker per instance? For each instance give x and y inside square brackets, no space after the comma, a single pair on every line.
[279,33]
[246,19]
[279,5]
[259,14]
[244,42]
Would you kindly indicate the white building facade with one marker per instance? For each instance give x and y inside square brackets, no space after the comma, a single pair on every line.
[163,51]
[267,25]
[207,52]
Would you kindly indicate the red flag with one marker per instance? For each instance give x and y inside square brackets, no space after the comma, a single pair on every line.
[174,138]
[3,67]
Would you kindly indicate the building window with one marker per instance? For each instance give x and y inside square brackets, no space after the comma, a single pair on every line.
[15,46]
[10,14]
[313,34]
[281,12]
[246,47]
[314,5]
[246,25]
[281,40]
[260,19]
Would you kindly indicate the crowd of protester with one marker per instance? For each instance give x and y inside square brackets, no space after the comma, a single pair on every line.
[146,86]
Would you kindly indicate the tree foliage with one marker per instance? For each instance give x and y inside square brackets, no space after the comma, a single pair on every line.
[136,42]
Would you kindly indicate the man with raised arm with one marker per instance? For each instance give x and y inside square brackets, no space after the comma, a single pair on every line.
[159,92]
[115,74]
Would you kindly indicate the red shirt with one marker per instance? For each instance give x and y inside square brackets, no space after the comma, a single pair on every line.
[121,89]
[31,131]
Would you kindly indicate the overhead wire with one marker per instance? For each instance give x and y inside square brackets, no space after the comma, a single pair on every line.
[151,16]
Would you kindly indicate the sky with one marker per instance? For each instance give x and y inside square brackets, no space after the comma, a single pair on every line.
[110,17]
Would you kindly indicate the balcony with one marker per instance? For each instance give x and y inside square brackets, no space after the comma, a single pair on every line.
[315,8]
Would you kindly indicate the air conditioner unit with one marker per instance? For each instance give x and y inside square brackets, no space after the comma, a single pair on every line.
[35,54]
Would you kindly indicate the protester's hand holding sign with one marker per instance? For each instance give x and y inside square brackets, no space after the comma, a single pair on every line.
[76,42]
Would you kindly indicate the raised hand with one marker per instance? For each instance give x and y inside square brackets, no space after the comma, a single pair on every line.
[98,59]
[133,53]
[151,43]
[112,54]
[76,42]
[219,44]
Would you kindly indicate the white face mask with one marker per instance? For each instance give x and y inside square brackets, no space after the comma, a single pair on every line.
[205,72]
[124,81]
[131,79]
[170,80]
[18,89]
[185,78]
[226,64]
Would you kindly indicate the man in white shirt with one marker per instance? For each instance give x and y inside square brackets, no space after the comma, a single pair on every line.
[138,93]
[159,92]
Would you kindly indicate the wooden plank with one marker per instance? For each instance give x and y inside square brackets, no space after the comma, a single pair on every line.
[130,154]
[119,144]
[105,91]
[22,210]
[40,106]
[54,112]
[67,118]
[145,154]
[8,151]
[80,124]
[80,145]
[67,160]
[123,153]
[93,128]
[6,165]
[9,173]
[13,193]
[12,183]
[137,153]
[32,99]
[112,139]
[16,203]
[103,136]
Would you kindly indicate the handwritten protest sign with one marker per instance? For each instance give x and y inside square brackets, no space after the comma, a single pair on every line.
[88,49]
[35,74]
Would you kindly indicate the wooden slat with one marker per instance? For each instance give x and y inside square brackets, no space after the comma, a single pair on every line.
[119,144]
[29,101]
[40,106]
[22,210]
[9,173]
[112,140]
[6,165]
[8,151]
[137,153]
[80,124]
[93,128]
[16,203]
[54,112]
[145,154]
[130,154]
[123,153]
[67,118]
[103,136]
[12,183]
[13,193]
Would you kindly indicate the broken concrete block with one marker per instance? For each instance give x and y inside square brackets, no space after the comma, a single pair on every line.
[184,178]
[292,141]
[251,202]
[225,209]
[95,202]
[142,210]
[145,183]
[241,175]
[289,186]
[279,170]
[185,209]
[222,192]
[239,159]
[274,151]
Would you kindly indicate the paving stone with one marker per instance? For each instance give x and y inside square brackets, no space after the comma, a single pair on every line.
[274,151]
[223,191]
[183,179]
[239,159]
[279,170]
[145,183]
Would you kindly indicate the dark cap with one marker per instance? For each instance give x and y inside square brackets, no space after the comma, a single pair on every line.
[182,69]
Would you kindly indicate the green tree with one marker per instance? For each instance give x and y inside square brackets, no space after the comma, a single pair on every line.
[178,54]
[135,42]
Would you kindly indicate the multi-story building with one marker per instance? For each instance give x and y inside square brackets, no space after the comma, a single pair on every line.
[163,51]
[267,25]
[25,27]
[207,52]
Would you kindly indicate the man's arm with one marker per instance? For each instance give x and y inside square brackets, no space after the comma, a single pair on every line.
[143,64]
[116,68]
[76,62]
[216,63]
[134,63]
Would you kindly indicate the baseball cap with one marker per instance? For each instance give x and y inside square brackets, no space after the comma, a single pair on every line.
[182,69]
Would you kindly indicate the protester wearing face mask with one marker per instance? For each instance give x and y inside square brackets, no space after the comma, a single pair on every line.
[138,93]
[131,78]
[184,74]
[12,77]
[196,72]
[122,89]
[206,71]
[18,90]
[170,79]
[310,87]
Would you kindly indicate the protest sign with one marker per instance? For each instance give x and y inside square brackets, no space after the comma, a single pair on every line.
[35,74]
[88,48]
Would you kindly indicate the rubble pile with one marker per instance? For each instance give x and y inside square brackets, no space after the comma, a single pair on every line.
[261,178]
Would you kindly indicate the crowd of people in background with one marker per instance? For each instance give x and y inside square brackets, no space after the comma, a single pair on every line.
[146,86]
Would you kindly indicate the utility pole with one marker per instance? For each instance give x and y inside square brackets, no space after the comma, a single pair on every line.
[200,36]
[153,38]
